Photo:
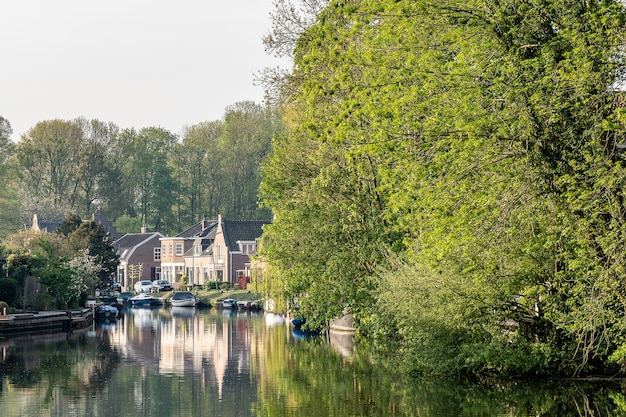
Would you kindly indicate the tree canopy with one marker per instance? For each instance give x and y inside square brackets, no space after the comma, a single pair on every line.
[450,174]
[150,175]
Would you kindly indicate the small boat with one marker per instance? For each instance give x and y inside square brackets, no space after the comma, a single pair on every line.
[107,311]
[183,299]
[229,303]
[298,321]
[144,300]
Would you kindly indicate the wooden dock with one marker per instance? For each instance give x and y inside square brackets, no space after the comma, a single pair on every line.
[45,322]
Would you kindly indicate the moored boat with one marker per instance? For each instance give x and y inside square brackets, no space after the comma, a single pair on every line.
[229,303]
[298,321]
[144,300]
[183,299]
[107,311]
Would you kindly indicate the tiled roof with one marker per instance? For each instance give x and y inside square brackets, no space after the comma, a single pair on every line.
[131,240]
[200,229]
[246,230]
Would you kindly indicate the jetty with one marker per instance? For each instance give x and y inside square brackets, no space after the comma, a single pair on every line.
[45,322]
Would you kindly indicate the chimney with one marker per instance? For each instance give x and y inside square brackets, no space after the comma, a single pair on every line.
[144,228]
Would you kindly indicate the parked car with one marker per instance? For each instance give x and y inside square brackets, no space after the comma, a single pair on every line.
[143,286]
[162,285]
[117,286]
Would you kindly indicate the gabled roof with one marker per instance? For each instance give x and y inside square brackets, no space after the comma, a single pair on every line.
[204,243]
[200,229]
[242,230]
[130,241]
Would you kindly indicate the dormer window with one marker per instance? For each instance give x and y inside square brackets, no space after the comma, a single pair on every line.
[247,248]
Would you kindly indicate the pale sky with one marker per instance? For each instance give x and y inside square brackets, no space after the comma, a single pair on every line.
[136,63]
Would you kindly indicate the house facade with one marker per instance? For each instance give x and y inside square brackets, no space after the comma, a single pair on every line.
[222,253]
[174,250]
[140,258]
[209,251]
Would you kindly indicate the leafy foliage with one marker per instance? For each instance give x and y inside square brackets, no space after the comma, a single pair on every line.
[450,175]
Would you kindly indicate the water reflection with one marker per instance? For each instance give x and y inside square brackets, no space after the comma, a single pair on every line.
[164,362]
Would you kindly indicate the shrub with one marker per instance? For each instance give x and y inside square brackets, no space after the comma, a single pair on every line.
[8,290]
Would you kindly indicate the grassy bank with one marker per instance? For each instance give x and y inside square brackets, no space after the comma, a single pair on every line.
[208,298]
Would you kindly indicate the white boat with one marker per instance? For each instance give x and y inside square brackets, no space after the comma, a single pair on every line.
[229,303]
[183,299]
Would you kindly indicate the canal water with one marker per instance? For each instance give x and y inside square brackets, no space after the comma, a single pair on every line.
[183,362]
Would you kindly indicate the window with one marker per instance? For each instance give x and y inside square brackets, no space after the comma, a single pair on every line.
[170,250]
[219,252]
[247,248]
[157,254]
[179,249]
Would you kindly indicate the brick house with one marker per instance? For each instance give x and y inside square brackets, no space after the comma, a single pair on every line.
[140,258]
[223,253]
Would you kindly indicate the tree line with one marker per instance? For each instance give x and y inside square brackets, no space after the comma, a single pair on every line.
[148,176]
[450,173]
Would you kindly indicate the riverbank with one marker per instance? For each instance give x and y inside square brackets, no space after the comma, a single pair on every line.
[212,298]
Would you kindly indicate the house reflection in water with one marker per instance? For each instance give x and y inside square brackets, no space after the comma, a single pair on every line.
[181,341]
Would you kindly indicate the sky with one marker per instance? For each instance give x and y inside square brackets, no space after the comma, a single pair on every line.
[136,63]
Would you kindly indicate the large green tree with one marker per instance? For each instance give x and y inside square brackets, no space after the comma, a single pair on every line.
[245,142]
[147,178]
[197,168]
[450,175]
[65,165]
[88,242]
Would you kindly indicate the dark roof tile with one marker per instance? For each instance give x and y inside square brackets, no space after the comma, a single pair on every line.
[238,230]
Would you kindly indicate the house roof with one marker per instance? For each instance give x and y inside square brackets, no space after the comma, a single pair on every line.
[242,230]
[205,243]
[200,229]
[100,218]
[127,243]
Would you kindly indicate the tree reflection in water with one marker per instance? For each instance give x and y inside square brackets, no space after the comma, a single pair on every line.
[163,362]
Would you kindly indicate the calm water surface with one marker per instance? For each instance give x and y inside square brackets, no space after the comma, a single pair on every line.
[183,362]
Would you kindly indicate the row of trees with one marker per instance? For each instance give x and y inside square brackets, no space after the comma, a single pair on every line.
[147,176]
[450,173]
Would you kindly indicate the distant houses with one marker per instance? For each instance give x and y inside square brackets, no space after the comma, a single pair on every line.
[221,251]
[209,251]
